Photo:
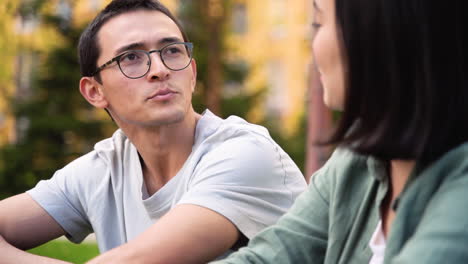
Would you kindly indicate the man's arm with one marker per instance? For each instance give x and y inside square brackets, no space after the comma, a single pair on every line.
[300,236]
[186,234]
[24,225]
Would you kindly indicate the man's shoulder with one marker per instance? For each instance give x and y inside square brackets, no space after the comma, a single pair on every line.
[239,150]
[117,142]
[88,164]
[105,154]
[215,130]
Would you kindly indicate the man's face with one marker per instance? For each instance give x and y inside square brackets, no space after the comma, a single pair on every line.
[162,96]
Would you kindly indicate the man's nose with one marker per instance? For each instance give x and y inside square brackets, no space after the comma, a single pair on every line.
[157,70]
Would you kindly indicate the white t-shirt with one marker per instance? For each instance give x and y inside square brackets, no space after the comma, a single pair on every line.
[377,244]
[235,169]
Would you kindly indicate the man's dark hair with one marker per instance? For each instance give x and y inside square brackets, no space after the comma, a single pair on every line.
[406,77]
[88,47]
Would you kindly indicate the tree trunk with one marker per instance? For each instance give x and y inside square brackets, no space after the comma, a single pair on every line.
[215,20]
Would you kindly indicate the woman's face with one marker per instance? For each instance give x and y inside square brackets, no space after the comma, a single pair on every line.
[328,53]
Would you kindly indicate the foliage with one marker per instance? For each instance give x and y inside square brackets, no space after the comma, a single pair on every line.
[64,250]
[8,47]
[234,75]
[207,29]
[56,123]
[7,41]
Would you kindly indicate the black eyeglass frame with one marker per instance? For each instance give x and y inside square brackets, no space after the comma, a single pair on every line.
[188,45]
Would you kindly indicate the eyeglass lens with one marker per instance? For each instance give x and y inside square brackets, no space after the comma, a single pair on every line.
[136,63]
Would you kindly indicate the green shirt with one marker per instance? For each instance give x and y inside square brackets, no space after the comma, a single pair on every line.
[333,221]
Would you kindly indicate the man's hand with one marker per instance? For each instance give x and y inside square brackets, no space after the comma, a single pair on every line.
[24,225]
[186,234]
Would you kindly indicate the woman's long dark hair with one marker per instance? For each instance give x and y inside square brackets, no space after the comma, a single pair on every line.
[407,77]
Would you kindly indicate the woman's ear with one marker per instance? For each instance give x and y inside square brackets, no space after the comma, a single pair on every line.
[92,92]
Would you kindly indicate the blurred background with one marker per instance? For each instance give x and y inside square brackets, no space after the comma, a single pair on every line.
[254,60]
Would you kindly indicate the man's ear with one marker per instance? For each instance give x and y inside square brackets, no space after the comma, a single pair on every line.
[193,83]
[92,92]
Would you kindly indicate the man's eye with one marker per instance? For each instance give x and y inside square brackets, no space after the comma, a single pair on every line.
[172,51]
[131,57]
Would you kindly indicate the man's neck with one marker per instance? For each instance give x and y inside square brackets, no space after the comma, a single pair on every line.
[163,150]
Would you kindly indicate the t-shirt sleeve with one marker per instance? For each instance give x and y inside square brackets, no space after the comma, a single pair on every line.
[300,236]
[248,180]
[62,196]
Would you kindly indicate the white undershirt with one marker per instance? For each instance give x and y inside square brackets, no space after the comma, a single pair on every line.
[377,244]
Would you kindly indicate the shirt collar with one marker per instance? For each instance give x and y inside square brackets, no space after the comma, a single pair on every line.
[377,168]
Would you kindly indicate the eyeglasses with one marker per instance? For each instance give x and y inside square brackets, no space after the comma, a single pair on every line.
[135,64]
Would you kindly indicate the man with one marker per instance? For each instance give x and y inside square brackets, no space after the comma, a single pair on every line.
[170,186]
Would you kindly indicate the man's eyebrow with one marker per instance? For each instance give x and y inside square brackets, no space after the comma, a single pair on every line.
[129,47]
[169,40]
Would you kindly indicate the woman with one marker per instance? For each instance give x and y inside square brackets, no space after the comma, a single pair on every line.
[394,190]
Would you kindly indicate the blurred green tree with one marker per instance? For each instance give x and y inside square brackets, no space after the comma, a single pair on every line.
[8,48]
[207,23]
[55,124]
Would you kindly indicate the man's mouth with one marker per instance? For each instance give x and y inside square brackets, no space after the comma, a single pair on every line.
[162,95]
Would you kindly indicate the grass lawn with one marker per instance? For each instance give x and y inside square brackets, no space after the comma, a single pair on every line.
[65,250]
